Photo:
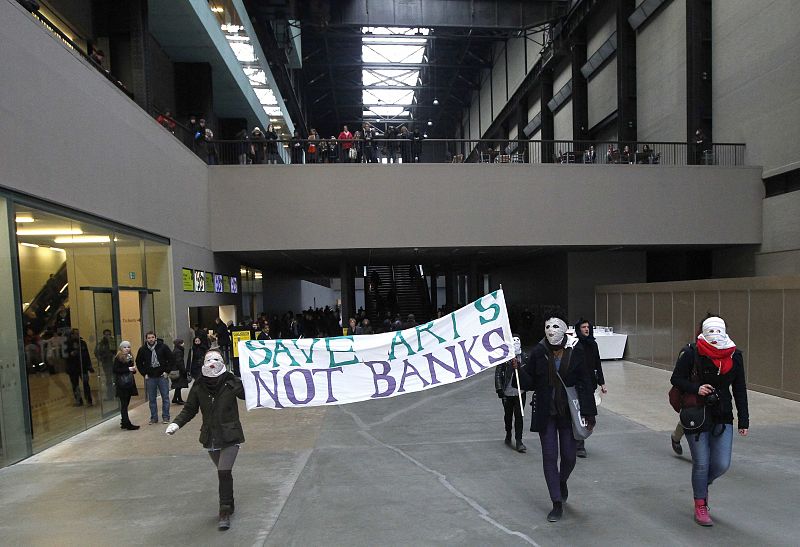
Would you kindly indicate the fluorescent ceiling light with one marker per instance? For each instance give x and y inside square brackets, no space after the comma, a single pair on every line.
[22,219]
[82,239]
[64,288]
[30,245]
[48,231]
[56,249]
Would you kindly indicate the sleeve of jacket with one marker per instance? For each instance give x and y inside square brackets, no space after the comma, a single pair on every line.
[683,371]
[499,377]
[190,408]
[583,384]
[140,361]
[739,386]
[598,364]
[527,379]
[238,388]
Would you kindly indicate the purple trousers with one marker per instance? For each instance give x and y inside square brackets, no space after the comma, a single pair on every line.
[557,434]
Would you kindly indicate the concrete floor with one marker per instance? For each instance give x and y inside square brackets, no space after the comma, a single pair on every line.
[421,469]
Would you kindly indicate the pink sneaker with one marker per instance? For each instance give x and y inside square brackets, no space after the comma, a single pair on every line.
[701,513]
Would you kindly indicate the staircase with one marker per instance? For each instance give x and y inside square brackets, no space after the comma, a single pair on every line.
[397,289]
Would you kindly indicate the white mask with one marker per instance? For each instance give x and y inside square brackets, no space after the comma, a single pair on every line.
[555,330]
[715,333]
[517,346]
[213,365]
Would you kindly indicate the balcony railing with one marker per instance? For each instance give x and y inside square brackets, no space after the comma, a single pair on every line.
[379,150]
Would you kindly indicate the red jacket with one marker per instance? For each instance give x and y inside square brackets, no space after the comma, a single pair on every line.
[347,137]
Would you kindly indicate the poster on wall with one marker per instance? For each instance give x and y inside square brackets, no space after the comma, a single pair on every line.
[235,285]
[188,279]
[209,282]
[218,283]
[226,284]
[199,281]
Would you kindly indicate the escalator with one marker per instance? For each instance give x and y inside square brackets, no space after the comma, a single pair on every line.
[397,289]
[49,309]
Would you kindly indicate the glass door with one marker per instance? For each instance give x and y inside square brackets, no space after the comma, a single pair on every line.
[104,350]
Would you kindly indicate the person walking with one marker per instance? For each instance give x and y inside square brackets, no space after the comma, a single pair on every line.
[510,397]
[178,366]
[215,396]
[711,368]
[154,361]
[587,346]
[223,338]
[195,360]
[104,353]
[551,358]
[124,371]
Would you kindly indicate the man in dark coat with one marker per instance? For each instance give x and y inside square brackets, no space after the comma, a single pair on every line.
[223,338]
[589,353]
[154,361]
[178,365]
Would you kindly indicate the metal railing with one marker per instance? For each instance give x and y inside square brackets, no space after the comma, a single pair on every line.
[380,150]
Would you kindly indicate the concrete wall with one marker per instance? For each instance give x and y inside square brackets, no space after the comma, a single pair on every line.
[499,88]
[661,76]
[756,91]
[443,205]
[285,294]
[761,314]
[600,27]
[562,122]
[602,90]
[780,250]
[71,137]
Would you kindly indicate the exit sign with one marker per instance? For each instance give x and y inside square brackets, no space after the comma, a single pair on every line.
[132,275]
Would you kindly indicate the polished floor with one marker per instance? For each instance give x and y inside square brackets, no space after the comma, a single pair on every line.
[421,469]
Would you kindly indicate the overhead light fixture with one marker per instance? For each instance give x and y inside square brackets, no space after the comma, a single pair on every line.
[30,245]
[424,135]
[217,9]
[82,239]
[435,101]
[430,122]
[56,249]
[23,219]
[64,288]
[49,231]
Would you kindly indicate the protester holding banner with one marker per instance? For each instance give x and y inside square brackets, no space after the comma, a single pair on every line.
[551,367]
[512,400]
[214,395]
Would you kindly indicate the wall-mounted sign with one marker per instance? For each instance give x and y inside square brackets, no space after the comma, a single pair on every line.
[235,285]
[218,283]
[199,281]
[209,282]
[132,275]
[188,279]
[226,283]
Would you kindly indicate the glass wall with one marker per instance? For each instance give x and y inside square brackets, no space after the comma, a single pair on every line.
[252,293]
[83,288]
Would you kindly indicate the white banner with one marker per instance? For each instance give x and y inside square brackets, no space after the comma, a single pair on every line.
[347,369]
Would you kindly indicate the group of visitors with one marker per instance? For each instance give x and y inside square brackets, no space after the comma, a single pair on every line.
[709,372]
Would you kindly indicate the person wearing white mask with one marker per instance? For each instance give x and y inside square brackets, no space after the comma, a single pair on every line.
[214,394]
[711,367]
[552,357]
[511,398]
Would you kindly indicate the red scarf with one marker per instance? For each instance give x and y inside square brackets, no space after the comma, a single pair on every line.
[722,358]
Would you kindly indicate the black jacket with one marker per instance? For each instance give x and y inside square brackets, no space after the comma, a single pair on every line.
[144,356]
[221,426]
[177,364]
[590,354]
[78,359]
[223,334]
[534,376]
[195,360]
[721,413]
[504,372]
[120,368]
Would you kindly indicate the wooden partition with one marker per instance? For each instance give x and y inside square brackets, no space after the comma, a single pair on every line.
[762,315]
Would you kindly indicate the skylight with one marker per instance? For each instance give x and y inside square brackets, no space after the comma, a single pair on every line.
[382,46]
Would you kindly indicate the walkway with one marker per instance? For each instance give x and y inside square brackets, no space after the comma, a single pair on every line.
[421,469]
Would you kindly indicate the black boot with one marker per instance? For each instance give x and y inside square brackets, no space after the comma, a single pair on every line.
[556,513]
[521,447]
[226,503]
[508,438]
[224,519]
[581,450]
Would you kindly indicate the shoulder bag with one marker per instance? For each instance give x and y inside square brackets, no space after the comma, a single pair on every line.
[125,380]
[579,426]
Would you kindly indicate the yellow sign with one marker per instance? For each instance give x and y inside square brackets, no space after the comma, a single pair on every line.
[188,279]
[238,336]
[209,282]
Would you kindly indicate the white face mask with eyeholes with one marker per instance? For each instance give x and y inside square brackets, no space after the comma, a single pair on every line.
[517,346]
[213,365]
[555,330]
[716,333]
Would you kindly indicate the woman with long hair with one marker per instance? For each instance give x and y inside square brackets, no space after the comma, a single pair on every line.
[124,371]
[710,368]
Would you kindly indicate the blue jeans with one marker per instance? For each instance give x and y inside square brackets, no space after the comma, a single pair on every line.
[153,387]
[711,457]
